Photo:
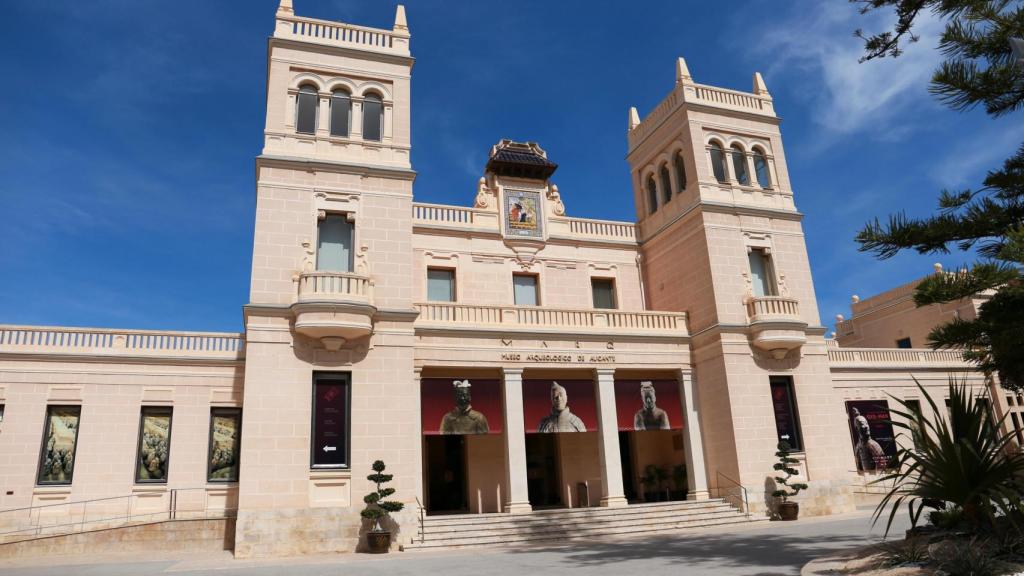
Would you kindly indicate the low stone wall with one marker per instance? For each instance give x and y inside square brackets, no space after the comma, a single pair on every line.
[267,533]
[200,535]
[822,498]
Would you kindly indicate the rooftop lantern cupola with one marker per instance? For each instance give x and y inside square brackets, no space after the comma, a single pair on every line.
[520,160]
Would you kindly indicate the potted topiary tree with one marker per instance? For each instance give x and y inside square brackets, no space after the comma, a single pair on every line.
[787,510]
[378,539]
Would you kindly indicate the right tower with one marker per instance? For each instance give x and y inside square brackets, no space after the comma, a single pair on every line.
[721,239]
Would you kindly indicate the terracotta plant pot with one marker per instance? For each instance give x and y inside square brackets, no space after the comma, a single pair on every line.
[789,510]
[378,542]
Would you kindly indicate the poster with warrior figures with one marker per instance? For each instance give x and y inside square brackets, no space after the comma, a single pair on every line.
[461,406]
[225,430]
[57,457]
[154,449]
[874,444]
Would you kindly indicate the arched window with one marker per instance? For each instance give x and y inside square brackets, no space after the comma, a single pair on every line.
[373,117]
[652,195]
[677,163]
[718,161]
[666,184]
[761,169]
[739,165]
[306,104]
[341,109]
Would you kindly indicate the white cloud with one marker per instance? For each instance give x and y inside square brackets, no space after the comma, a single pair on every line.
[967,163]
[815,49]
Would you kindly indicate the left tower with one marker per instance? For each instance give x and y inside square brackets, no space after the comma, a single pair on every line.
[329,383]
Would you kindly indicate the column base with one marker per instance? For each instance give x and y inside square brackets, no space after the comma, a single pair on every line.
[698,495]
[518,508]
[614,502]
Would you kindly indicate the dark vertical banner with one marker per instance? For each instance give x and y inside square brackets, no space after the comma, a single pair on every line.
[874,444]
[330,422]
[648,405]
[559,406]
[784,407]
[461,406]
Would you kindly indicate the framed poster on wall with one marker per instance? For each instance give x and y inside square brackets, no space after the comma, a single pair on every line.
[874,444]
[153,451]
[60,438]
[224,444]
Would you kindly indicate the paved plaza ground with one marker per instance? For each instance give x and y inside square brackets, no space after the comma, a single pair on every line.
[762,549]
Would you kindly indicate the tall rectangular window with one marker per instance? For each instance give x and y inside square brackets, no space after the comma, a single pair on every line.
[603,290]
[903,343]
[60,438]
[225,445]
[306,106]
[787,421]
[331,420]
[914,407]
[153,451]
[761,277]
[373,117]
[440,285]
[334,244]
[524,288]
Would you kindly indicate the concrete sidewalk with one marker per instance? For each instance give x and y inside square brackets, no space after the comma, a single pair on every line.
[772,548]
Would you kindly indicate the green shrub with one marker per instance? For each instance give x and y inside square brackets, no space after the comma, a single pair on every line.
[947,519]
[969,558]
[898,553]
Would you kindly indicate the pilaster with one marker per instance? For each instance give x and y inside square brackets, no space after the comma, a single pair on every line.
[693,443]
[612,493]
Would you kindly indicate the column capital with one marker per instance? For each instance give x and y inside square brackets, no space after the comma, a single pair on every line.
[512,372]
[604,372]
[683,375]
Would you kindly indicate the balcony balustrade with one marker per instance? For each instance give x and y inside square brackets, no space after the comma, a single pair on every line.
[446,315]
[334,307]
[776,324]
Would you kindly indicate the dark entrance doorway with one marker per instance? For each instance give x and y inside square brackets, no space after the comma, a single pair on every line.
[628,472]
[542,470]
[446,474]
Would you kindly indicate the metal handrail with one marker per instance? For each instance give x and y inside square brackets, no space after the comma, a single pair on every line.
[35,526]
[745,507]
[423,532]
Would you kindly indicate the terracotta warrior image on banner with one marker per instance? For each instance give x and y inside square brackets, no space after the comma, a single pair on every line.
[522,213]
[154,448]
[648,405]
[874,445]
[225,425]
[57,457]
[559,406]
[461,406]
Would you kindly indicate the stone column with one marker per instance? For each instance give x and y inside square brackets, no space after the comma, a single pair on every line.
[608,439]
[518,498]
[416,378]
[696,475]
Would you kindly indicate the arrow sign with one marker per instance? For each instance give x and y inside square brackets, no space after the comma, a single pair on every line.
[330,448]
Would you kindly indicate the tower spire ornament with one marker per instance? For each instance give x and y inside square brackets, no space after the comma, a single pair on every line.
[285,7]
[682,72]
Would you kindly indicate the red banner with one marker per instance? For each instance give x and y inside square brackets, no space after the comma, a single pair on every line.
[461,406]
[559,406]
[648,405]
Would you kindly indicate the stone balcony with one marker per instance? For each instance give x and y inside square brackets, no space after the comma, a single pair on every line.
[775,323]
[532,319]
[334,307]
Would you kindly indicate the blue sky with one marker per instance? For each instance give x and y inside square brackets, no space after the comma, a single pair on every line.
[130,128]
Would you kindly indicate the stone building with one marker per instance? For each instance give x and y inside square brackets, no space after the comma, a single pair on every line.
[501,357]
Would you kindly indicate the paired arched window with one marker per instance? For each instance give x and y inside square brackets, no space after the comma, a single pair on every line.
[306,106]
[373,117]
[652,195]
[739,165]
[341,112]
[718,162]
[761,169]
[677,163]
[666,184]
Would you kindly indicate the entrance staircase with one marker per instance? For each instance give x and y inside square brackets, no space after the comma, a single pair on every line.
[465,530]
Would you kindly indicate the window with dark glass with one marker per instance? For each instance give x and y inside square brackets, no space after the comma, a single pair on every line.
[331,420]
[373,117]
[334,243]
[60,439]
[739,165]
[761,276]
[914,408]
[153,451]
[604,292]
[718,162]
[306,104]
[679,164]
[652,195]
[341,110]
[440,285]
[666,184]
[524,288]
[761,169]
[224,447]
[787,422]
[903,343]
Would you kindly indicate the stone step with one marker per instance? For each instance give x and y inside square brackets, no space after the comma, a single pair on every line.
[530,521]
[595,526]
[470,540]
[567,513]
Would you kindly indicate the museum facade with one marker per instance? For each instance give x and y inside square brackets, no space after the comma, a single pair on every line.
[501,357]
